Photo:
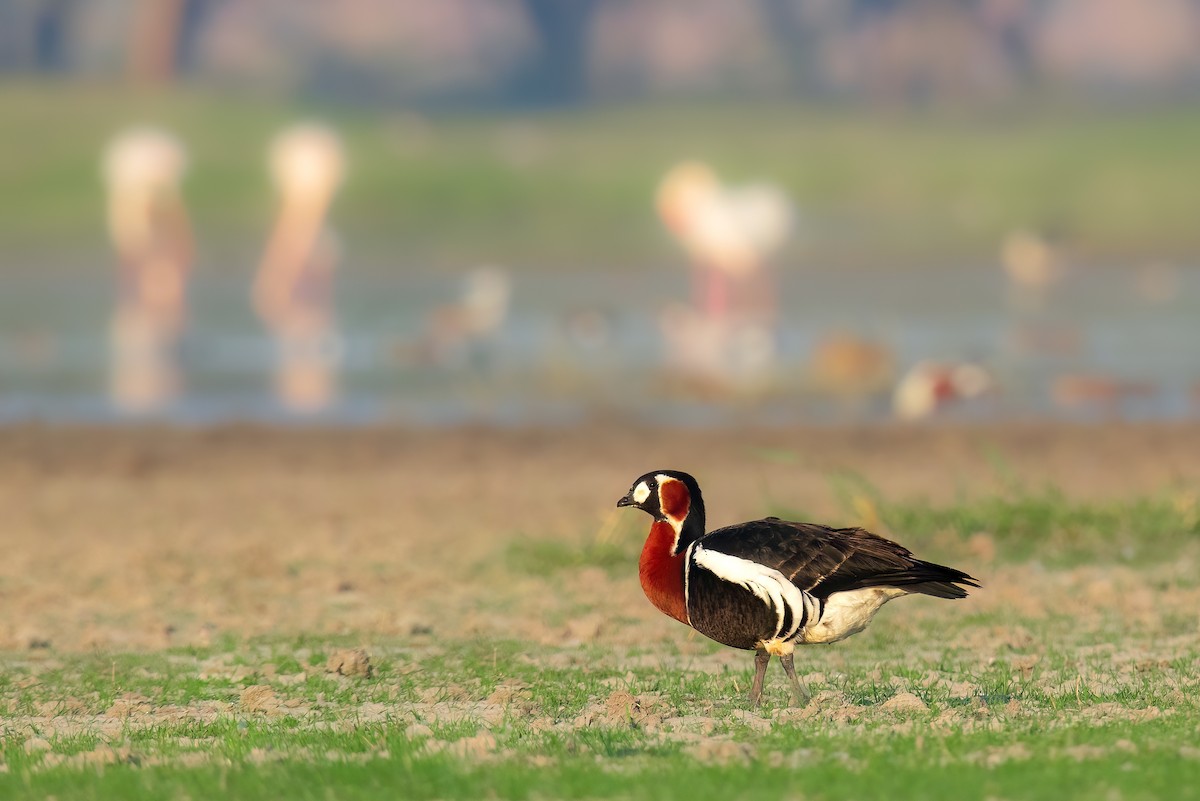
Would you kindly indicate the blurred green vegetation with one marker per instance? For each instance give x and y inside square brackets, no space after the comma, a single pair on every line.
[575,188]
[1045,525]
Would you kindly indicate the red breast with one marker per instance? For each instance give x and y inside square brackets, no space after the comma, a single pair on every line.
[662,572]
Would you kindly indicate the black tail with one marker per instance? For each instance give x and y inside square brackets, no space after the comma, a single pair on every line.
[926,578]
[938,580]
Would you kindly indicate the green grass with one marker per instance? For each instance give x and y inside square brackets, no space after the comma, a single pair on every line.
[903,770]
[575,188]
[1009,738]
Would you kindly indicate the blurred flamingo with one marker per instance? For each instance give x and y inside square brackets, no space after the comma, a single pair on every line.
[148,223]
[728,233]
[293,292]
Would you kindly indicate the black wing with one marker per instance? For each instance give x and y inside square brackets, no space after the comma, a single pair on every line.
[823,560]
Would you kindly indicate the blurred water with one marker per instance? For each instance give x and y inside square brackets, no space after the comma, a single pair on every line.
[54,347]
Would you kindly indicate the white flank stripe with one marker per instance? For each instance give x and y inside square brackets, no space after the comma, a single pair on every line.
[768,584]
[687,582]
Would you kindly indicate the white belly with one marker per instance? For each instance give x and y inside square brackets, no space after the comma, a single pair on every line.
[849,613]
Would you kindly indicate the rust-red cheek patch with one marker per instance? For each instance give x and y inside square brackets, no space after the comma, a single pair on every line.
[674,499]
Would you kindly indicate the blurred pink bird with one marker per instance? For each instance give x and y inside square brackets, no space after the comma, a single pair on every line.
[729,233]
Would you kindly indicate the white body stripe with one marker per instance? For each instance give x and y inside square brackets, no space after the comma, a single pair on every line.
[687,576]
[768,584]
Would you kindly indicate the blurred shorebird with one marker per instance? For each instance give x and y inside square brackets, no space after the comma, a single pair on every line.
[1158,282]
[462,332]
[1102,393]
[770,585]
[929,386]
[850,366]
[1033,265]
[293,292]
[148,223]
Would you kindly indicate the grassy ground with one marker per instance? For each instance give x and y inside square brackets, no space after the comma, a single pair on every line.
[192,615]
[575,188]
[940,710]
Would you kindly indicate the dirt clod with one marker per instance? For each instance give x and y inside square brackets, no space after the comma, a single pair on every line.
[350,662]
[712,750]
[35,744]
[904,702]
[418,730]
[259,698]
[476,747]
[129,705]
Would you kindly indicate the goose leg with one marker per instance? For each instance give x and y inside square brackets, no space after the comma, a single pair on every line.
[761,658]
[802,695]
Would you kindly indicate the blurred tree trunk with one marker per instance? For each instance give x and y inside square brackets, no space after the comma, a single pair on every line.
[9,45]
[867,8]
[192,25]
[52,35]
[155,36]
[797,42]
[165,37]
[559,70]
[36,34]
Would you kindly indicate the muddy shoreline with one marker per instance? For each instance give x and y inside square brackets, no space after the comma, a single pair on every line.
[1083,460]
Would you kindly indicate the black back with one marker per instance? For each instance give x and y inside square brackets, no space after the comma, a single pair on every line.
[823,560]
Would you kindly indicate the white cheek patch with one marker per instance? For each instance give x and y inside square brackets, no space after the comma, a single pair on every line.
[640,493]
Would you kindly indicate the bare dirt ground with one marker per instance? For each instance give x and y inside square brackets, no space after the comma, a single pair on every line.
[143,538]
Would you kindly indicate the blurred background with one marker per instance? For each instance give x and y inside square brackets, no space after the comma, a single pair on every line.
[549,211]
